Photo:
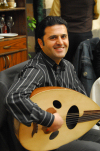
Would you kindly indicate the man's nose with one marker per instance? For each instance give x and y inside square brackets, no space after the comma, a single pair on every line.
[59,41]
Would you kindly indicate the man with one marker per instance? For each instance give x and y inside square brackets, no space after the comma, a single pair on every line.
[47,68]
[79,16]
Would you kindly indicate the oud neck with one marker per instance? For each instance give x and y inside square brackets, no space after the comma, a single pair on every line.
[89,116]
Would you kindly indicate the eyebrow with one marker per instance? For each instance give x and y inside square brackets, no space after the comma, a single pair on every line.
[52,36]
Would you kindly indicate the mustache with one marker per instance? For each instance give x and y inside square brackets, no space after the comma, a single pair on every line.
[59,45]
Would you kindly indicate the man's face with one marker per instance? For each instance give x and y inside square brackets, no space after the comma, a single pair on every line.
[56,42]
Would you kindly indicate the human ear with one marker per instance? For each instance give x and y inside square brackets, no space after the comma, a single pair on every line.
[40,42]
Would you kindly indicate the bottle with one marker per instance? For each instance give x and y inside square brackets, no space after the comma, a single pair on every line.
[4,28]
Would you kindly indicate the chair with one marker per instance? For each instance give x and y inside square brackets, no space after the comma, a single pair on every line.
[8,140]
[95,96]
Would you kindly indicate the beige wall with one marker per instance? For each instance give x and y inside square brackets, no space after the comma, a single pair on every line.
[96,28]
[47,3]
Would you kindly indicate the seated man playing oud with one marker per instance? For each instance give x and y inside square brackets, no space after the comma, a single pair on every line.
[48,68]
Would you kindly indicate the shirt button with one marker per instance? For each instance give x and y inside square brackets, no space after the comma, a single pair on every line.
[85,74]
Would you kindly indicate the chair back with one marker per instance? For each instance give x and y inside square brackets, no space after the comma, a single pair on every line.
[6,79]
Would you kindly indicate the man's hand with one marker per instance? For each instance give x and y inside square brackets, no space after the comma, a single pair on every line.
[58,122]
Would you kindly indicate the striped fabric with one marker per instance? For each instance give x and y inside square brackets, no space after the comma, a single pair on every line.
[40,72]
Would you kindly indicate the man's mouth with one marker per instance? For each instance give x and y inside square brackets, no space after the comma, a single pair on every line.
[59,48]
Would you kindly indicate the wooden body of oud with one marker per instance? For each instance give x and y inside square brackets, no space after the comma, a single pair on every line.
[68,99]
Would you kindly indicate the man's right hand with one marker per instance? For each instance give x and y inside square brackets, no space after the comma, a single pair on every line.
[57,123]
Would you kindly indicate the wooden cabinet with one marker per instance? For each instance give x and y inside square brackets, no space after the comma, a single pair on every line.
[12,59]
[13,50]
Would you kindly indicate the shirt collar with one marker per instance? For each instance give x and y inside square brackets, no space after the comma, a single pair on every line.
[52,63]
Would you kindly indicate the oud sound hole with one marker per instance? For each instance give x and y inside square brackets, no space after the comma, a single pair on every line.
[72,117]
[57,104]
[54,135]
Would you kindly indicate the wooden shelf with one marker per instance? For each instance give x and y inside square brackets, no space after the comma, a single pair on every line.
[13,9]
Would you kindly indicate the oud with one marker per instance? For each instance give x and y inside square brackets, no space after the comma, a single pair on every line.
[78,111]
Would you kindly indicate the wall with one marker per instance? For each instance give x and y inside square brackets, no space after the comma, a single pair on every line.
[30,12]
[96,28]
[31,34]
[96,23]
[47,5]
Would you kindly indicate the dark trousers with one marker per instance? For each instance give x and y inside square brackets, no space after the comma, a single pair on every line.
[74,41]
[88,142]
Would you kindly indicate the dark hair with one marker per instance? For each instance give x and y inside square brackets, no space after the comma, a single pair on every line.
[48,21]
